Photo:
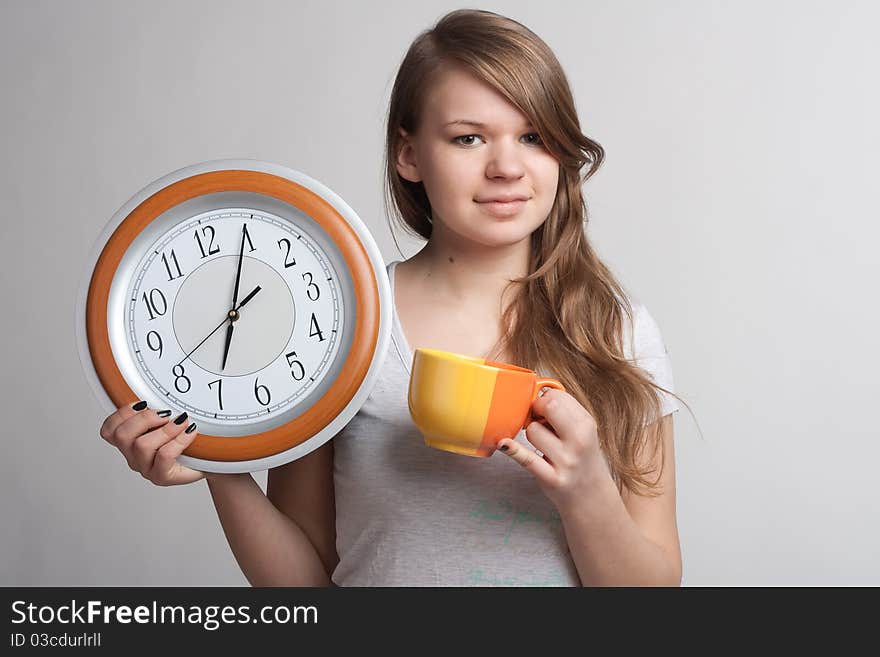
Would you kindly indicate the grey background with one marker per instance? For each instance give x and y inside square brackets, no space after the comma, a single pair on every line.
[741,140]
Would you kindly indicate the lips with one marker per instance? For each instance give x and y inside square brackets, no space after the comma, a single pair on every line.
[503,199]
[504,208]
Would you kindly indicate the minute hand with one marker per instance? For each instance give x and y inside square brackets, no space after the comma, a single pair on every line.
[238,269]
[220,325]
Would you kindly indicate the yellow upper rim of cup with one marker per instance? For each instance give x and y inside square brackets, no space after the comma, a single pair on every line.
[474,360]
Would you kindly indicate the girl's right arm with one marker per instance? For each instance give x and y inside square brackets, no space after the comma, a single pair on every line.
[288,536]
[269,545]
[271,548]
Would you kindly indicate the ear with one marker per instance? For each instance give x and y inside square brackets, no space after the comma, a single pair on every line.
[406,161]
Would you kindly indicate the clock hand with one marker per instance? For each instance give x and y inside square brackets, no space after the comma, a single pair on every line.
[233,315]
[220,325]
[229,331]
[238,271]
[249,297]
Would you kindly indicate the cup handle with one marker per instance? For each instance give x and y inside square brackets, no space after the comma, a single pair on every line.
[539,385]
[547,383]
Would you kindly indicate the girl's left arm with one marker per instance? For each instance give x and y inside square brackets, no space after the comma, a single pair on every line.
[615,540]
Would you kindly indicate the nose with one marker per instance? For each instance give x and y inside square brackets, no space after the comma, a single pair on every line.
[505,161]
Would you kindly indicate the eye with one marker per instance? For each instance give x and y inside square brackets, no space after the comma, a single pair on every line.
[461,140]
[533,138]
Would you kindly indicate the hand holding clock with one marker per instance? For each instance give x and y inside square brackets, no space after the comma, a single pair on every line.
[151,443]
[149,440]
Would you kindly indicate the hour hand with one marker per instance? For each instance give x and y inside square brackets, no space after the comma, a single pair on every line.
[250,296]
[229,331]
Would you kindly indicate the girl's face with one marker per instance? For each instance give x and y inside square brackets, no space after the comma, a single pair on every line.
[487,175]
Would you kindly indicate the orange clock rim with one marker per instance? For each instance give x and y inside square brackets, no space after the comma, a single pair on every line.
[366,293]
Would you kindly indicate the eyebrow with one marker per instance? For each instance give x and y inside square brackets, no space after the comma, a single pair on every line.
[476,124]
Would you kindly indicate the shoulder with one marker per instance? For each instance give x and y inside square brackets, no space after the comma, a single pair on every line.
[642,336]
[645,347]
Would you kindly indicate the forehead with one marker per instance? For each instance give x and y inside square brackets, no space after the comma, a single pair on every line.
[456,94]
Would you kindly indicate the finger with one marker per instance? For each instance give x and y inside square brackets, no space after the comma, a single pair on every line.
[166,469]
[545,440]
[562,412]
[527,458]
[118,417]
[137,425]
[144,446]
[550,403]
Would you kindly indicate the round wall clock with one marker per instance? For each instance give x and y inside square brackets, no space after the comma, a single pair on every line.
[248,295]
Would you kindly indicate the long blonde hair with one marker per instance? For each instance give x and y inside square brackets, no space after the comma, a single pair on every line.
[567,315]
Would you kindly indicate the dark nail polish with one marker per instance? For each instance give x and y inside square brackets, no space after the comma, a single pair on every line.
[180,419]
[141,405]
[191,428]
[164,413]
[503,448]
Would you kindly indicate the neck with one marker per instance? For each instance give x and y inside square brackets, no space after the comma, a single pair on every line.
[469,276]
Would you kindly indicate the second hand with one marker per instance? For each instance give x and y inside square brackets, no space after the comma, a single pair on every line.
[220,325]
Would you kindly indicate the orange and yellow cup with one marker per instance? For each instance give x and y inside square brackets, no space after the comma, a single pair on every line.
[467,405]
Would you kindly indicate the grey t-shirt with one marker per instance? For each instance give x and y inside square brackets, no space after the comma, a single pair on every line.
[411,515]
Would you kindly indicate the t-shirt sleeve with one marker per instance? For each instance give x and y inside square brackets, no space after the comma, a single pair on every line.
[650,354]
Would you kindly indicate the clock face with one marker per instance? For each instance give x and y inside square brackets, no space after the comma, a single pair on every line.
[246,294]
[284,337]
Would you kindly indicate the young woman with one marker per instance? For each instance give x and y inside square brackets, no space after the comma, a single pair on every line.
[485,160]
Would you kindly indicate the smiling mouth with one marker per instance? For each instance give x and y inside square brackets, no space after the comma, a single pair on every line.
[503,208]
[515,199]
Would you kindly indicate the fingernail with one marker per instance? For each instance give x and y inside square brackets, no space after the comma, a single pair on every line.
[191,428]
[180,419]
[503,448]
[164,413]
[141,405]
